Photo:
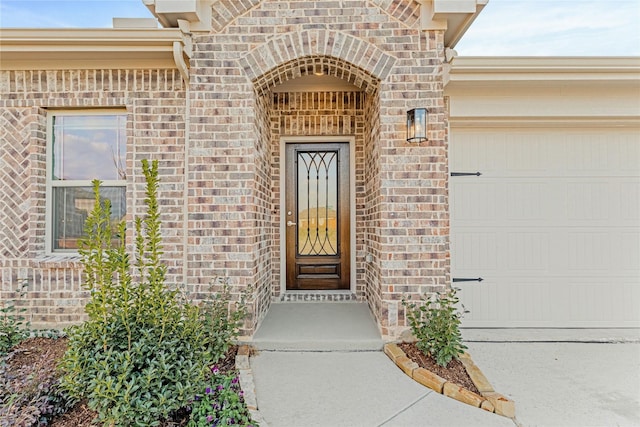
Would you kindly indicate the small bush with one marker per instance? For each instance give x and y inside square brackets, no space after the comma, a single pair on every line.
[222,318]
[13,326]
[143,352]
[436,325]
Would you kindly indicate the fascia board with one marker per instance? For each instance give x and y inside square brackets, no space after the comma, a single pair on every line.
[87,48]
[83,36]
[501,69]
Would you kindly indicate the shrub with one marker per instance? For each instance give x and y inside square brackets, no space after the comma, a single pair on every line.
[13,326]
[222,318]
[436,325]
[143,353]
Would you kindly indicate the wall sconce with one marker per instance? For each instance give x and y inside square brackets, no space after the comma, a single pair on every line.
[417,125]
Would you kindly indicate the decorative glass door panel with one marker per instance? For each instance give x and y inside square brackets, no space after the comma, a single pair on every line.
[317,216]
[317,202]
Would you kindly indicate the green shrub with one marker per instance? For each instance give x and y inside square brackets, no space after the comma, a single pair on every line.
[13,326]
[436,325]
[143,352]
[222,318]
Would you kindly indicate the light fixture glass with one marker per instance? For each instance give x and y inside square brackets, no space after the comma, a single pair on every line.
[417,125]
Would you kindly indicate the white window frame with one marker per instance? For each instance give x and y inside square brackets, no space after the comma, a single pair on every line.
[68,183]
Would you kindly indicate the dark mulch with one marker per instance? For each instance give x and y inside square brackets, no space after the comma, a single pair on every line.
[46,353]
[454,371]
[36,352]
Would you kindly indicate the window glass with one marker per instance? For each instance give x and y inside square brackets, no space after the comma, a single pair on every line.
[88,147]
[72,205]
[83,148]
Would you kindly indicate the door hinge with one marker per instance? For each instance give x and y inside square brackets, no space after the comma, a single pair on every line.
[458,279]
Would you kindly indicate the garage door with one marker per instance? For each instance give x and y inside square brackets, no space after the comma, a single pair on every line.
[552,226]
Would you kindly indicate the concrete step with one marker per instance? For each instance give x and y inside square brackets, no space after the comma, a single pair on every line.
[318,326]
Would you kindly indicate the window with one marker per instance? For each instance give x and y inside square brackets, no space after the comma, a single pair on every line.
[83,146]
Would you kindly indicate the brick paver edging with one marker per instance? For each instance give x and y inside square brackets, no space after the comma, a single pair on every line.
[247,385]
[488,399]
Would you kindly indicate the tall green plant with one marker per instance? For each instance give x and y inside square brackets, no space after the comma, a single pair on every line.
[436,325]
[143,352]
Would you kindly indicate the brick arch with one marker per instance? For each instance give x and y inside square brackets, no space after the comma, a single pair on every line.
[405,11]
[293,55]
[225,11]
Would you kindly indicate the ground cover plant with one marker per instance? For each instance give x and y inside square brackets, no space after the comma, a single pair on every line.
[144,355]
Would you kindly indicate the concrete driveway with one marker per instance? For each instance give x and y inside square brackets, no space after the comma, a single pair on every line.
[565,384]
[553,384]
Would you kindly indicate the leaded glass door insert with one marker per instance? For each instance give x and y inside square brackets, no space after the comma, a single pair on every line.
[317,216]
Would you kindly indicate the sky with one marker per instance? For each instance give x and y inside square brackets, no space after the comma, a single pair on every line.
[503,28]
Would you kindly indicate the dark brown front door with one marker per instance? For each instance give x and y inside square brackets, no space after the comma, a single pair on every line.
[317,216]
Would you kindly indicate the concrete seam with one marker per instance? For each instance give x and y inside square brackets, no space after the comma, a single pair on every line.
[405,408]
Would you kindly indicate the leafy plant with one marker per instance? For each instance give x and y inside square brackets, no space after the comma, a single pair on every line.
[222,403]
[223,318]
[436,325]
[143,353]
[13,326]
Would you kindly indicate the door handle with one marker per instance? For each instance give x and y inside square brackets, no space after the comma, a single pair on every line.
[290,223]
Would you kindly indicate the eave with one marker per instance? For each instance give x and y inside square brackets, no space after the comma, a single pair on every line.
[72,48]
[501,71]
[453,16]
[549,91]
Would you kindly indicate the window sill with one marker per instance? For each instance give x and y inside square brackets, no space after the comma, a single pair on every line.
[58,260]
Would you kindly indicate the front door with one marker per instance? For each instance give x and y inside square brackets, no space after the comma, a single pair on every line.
[317,216]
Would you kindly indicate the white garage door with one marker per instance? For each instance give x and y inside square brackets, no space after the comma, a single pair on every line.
[552,226]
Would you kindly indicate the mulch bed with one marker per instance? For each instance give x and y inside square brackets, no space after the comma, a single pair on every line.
[454,371]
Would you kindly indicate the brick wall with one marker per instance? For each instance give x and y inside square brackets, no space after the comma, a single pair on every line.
[402,188]
[219,132]
[154,101]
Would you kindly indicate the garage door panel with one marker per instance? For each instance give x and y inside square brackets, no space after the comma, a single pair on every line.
[629,197]
[626,244]
[479,251]
[564,202]
[561,210]
[477,201]
[520,302]
[555,152]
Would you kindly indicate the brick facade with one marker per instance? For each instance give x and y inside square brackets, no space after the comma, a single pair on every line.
[218,138]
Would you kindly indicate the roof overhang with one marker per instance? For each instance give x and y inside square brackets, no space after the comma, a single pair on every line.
[453,16]
[582,91]
[71,48]
[170,13]
[503,71]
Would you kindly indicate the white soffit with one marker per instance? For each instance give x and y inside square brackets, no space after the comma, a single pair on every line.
[170,12]
[316,84]
[46,49]
[453,16]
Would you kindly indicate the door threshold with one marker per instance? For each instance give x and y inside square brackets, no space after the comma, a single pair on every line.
[318,296]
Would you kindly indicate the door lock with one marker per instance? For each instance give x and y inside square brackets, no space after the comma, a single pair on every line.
[290,223]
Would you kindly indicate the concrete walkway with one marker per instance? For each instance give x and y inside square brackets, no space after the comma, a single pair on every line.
[299,383]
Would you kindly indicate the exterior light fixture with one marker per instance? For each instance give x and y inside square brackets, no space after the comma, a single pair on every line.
[417,125]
